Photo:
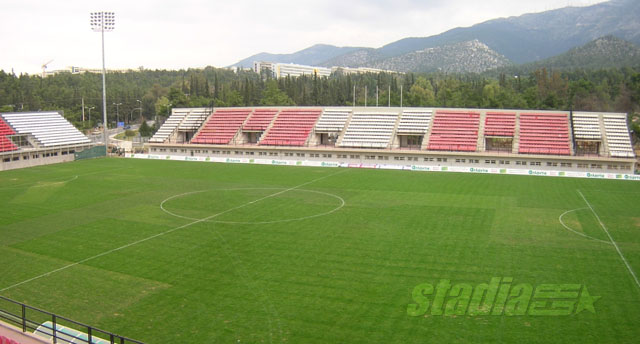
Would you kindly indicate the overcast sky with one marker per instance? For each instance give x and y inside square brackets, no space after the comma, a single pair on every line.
[197,33]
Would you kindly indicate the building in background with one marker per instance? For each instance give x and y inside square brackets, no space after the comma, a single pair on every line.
[361,70]
[81,70]
[283,70]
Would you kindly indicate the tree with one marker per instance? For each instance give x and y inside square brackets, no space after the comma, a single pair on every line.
[634,87]
[421,93]
[145,130]
[553,88]
[616,89]
[6,108]
[272,95]
[490,95]
[162,106]
[177,98]
[234,99]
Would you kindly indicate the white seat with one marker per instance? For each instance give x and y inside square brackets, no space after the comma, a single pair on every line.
[618,138]
[414,121]
[586,126]
[370,129]
[181,119]
[333,120]
[50,129]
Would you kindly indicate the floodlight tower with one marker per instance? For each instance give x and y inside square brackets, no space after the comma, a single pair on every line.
[103,22]
[117,105]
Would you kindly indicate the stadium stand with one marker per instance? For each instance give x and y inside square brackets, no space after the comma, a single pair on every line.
[49,129]
[291,128]
[586,126]
[455,131]
[499,124]
[544,133]
[184,120]
[618,138]
[370,129]
[6,145]
[194,119]
[414,121]
[482,138]
[169,126]
[222,126]
[260,119]
[333,120]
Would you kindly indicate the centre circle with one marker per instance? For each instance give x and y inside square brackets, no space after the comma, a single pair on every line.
[272,195]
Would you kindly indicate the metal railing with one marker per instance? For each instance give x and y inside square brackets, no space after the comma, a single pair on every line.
[54,327]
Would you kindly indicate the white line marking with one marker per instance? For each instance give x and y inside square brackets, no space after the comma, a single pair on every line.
[37,184]
[53,182]
[576,232]
[624,260]
[165,232]
[342,203]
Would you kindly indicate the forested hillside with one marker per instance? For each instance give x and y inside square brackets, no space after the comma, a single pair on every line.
[601,90]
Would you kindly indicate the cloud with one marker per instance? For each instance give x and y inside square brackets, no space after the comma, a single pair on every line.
[196,33]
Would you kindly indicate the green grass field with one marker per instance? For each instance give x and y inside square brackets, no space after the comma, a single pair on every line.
[179,252]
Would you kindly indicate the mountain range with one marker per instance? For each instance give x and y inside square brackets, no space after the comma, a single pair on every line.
[492,44]
[604,52]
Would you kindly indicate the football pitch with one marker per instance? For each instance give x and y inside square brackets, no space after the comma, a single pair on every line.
[182,252]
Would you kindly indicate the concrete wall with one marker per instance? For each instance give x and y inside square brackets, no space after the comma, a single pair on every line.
[18,160]
[13,333]
[404,157]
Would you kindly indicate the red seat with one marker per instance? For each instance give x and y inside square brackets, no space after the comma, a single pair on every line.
[291,127]
[6,145]
[260,120]
[500,124]
[222,126]
[544,134]
[454,131]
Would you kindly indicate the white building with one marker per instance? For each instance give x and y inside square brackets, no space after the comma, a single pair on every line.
[81,70]
[282,70]
[361,70]
[259,66]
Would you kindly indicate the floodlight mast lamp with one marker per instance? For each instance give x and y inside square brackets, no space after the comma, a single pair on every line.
[103,22]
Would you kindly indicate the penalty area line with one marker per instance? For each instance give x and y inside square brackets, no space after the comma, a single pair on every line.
[624,260]
[165,232]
